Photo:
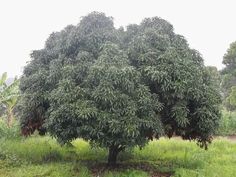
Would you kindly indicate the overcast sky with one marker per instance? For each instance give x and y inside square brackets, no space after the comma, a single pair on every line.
[208,25]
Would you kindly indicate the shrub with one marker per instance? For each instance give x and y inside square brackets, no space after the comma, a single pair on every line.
[227,123]
[6,132]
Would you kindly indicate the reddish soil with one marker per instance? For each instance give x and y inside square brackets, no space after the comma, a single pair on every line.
[99,169]
[231,138]
[160,175]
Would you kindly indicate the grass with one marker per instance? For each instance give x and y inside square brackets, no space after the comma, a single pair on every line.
[44,157]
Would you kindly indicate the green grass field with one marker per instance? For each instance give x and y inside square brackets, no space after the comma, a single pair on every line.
[43,157]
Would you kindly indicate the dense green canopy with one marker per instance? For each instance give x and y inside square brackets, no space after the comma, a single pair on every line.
[118,88]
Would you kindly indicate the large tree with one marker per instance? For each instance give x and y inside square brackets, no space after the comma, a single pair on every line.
[118,88]
[229,75]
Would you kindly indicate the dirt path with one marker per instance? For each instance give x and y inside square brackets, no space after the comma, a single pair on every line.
[230,138]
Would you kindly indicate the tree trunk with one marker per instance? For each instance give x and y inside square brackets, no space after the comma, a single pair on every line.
[112,156]
[10,117]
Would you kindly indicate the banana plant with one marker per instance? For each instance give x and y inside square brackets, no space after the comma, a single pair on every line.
[8,97]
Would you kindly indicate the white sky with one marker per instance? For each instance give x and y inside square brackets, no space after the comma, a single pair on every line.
[208,25]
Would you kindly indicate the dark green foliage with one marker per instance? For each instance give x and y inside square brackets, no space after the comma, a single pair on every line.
[177,75]
[118,88]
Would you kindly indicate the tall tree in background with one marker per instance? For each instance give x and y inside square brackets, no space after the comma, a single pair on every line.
[229,75]
[8,97]
[215,76]
[231,99]
[118,88]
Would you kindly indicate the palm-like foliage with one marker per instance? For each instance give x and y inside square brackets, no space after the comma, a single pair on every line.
[8,97]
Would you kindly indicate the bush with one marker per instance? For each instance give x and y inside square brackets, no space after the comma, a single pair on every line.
[6,132]
[227,123]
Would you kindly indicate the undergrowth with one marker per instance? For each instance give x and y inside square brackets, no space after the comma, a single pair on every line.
[43,156]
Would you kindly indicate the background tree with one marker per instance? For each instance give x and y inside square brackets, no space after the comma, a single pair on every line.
[8,97]
[229,75]
[215,76]
[231,99]
[118,88]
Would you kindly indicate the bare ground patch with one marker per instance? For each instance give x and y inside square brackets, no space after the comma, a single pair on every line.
[98,170]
